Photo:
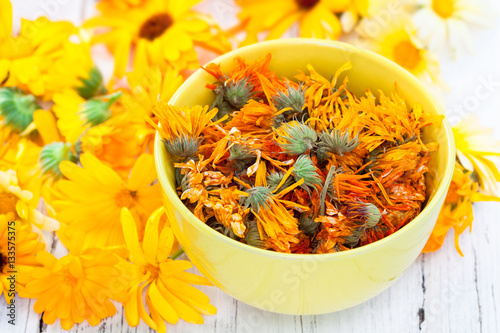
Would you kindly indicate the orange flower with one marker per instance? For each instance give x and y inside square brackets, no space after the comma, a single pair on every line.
[275,223]
[456,212]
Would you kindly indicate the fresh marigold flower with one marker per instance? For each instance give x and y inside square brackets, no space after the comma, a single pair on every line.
[77,287]
[316,18]
[167,287]
[18,204]
[457,212]
[27,246]
[53,154]
[76,115]
[41,59]
[116,142]
[161,33]
[89,201]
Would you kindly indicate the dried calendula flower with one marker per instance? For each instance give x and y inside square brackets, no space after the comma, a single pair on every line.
[304,168]
[275,178]
[181,127]
[364,211]
[307,224]
[361,216]
[238,93]
[253,237]
[293,100]
[337,142]
[241,156]
[296,138]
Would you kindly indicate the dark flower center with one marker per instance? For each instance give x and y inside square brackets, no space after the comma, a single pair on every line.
[155,26]
[307,4]
[3,262]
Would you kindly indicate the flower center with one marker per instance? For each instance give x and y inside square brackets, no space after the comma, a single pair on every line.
[155,26]
[154,271]
[125,198]
[69,279]
[8,203]
[407,55]
[443,8]
[307,4]
[3,262]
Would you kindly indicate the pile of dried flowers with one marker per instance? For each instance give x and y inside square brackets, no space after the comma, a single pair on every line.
[298,167]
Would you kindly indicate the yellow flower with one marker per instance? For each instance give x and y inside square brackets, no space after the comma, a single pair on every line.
[76,115]
[121,4]
[116,143]
[91,198]
[397,41]
[147,86]
[40,60]
[27,245]
[77,287]
[361,8]
[456,212]
[17,204]
[26,152]
[477,149]
[160,32]
[316,18]
[447,23]
[169,294]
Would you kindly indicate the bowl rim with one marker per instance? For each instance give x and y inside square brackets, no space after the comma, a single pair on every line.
[401,72]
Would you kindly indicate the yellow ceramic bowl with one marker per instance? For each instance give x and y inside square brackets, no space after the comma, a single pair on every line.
[297,283]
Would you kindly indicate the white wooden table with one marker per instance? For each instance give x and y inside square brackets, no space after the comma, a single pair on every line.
[440,292]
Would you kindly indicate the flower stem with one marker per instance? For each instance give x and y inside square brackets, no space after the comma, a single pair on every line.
[177,254]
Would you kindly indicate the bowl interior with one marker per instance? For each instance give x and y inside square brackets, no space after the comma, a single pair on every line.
[369,71]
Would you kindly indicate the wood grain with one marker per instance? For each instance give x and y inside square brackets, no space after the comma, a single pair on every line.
[440,292]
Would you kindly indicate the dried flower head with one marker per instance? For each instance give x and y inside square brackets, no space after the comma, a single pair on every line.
[238,93]
[259,196]
[337,142]
[304,168]
[307,224]
[241,156]
[275,178]
[181,127]
[296,138]
[224,107]
[182,147]
[293,100]
[364,211]
[225,230]
[253,237]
